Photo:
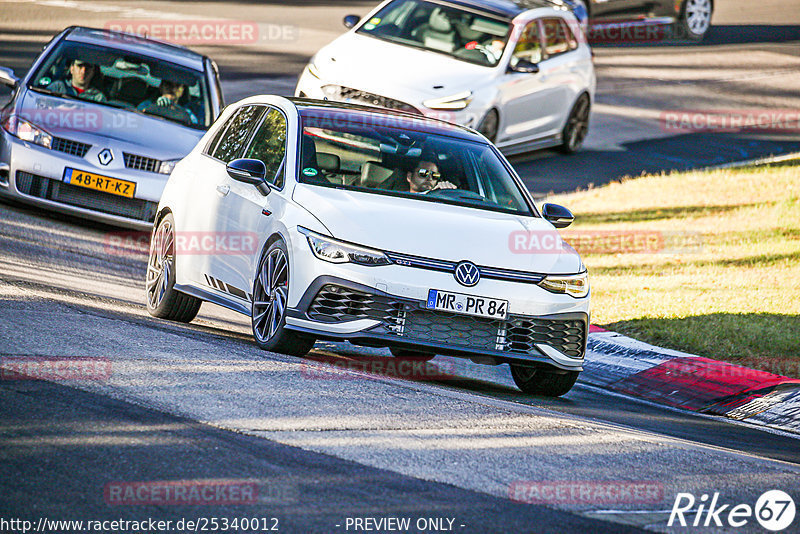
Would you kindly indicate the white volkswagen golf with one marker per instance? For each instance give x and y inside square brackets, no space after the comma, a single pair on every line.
[344,222]
[520,72]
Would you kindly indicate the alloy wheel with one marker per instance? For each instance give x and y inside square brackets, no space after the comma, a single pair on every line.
[698,16]
[160,264]
[577,125]
[489,124]
[270,294]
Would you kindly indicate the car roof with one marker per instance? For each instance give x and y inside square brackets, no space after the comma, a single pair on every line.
[506,8]
[357,113]
[137,44]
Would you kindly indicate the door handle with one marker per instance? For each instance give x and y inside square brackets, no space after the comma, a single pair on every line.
[223,189]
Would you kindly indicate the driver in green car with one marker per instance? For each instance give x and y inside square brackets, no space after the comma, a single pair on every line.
[426,177]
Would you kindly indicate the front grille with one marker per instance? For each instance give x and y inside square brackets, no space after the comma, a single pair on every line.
[336,303]
[57,191]
[141,163]
[567,336]
[73,148]
[460,330]
[406,319]
[348,94]
[446,266]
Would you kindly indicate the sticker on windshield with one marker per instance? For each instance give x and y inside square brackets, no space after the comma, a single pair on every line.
[374,21]
[310,171]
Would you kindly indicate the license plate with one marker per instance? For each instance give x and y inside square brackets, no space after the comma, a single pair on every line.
[98,182]
[467,304]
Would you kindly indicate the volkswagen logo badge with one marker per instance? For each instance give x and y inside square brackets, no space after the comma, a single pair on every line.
[105,156]
[467,273]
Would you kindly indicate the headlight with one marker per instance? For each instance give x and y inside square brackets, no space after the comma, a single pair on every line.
[332,92]
[576,285]
[334,251]
[312,67]
[26,131]
[457,101]
[314,70]
[166,167]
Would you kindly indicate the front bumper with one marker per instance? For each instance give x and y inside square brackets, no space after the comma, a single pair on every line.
[34,175]
[310,86]
[339,309]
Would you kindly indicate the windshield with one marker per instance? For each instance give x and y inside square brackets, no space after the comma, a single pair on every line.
[407,163]
[120,79]
[461,34]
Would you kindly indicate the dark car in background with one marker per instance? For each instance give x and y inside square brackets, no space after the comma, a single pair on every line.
[688,19]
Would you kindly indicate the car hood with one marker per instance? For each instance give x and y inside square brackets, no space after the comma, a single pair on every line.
[93,123]
[399,71]
[436,231]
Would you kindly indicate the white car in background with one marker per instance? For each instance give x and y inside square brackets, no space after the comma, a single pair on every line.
[519,72]
[372,226]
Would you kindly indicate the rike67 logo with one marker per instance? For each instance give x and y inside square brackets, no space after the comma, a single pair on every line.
[774,510]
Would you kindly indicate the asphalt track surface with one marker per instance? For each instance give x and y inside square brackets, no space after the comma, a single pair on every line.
[200,401]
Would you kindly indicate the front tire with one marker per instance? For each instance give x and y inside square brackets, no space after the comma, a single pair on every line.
[489,125]
[695,19]
[538,381]
[163,300]
[268,313]
[577,126]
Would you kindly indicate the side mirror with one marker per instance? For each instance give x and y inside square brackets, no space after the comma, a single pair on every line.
[525,66]
[559,216]
[351,20]
[7,77]
[249,171]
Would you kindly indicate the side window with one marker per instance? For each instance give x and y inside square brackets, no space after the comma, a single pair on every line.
[215,140]
[529,45]
[237,132]
[557,37]
[269,145]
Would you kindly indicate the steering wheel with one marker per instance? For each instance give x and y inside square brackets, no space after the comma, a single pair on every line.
[169,112]
[475,45]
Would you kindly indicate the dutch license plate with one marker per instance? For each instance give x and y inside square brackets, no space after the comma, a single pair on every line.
[98,182]
[467,304]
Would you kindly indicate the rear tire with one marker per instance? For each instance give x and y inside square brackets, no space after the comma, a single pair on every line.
[695,20]
[577,126]
[163,300]
[538,381]
[268,313]
[415,355]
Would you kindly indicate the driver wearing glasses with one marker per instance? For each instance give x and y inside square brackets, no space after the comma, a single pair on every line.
[426,177]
